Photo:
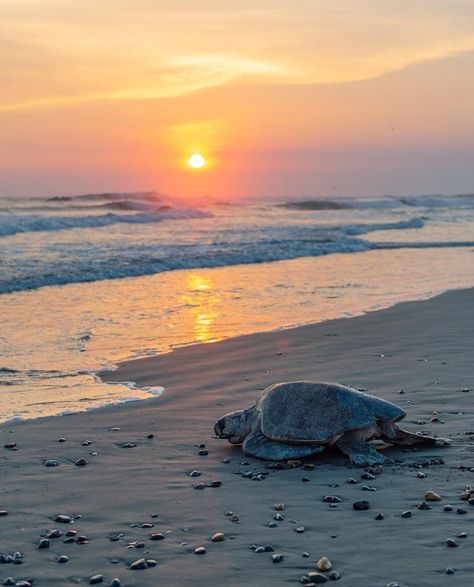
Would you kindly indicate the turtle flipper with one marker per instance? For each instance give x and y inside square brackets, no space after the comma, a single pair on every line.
[401,437]
[259,446]
[359,452]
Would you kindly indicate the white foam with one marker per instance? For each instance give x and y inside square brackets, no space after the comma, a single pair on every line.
[154,391]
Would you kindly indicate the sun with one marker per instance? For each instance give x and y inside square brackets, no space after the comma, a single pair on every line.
[196,161]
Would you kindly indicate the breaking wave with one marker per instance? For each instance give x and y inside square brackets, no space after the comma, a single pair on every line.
[15,223]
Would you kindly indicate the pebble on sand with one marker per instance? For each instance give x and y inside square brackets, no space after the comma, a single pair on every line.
[279,507]
[432,496]
[324,564]
[3,513]
[81,462]
[277,557]
[138,565]
[331,499]
[200,550]
[63,519]
[361,505]
[466,494]
[316,577]
[95,579]
[367,476]
[157,536]
[218,537]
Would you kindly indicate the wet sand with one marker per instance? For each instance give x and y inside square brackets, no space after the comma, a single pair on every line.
[423,349]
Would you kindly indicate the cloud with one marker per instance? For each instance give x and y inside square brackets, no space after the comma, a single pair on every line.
[82,50]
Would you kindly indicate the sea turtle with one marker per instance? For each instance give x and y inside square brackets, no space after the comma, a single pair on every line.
[300,418]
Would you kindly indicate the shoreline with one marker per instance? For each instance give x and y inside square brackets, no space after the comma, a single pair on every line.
[130,365]
[109,322]
[155,390]
[422,348]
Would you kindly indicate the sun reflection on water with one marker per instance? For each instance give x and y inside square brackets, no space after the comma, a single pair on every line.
[203,302]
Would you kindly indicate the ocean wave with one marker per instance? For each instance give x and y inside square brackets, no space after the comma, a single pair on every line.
[137,263]
[227,247]
[425,245]
[317,205]
[152,195]
[11,224]
[358,229]
[459,201]
[147,263]
[382,202]
[132,205]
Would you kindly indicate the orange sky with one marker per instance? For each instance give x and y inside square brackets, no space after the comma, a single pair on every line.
[303,98]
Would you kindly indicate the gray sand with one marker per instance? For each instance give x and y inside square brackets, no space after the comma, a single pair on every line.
[424,349]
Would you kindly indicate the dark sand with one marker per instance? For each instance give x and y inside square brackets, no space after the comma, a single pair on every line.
[423,348]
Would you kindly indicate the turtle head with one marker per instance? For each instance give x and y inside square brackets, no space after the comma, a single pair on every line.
[234,426]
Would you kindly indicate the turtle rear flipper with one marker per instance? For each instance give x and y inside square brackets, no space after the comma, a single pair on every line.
[397,436]
[259,446]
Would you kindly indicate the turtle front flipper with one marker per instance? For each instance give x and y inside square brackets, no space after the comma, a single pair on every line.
[359,452]
[259,446]
[399,437]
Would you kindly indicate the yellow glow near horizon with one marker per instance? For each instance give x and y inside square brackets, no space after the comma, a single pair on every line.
[197,161]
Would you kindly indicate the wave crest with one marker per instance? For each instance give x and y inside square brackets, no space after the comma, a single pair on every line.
[15,223]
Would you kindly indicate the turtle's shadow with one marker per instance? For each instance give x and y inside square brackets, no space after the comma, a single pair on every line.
[331,456]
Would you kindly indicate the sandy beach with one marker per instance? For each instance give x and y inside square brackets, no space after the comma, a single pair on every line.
[418,355]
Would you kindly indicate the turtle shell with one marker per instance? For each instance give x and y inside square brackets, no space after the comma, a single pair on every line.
[301,411]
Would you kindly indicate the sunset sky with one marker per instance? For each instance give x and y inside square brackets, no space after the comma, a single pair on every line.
[310,97]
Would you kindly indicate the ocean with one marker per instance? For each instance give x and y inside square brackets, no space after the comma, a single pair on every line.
[90,280]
